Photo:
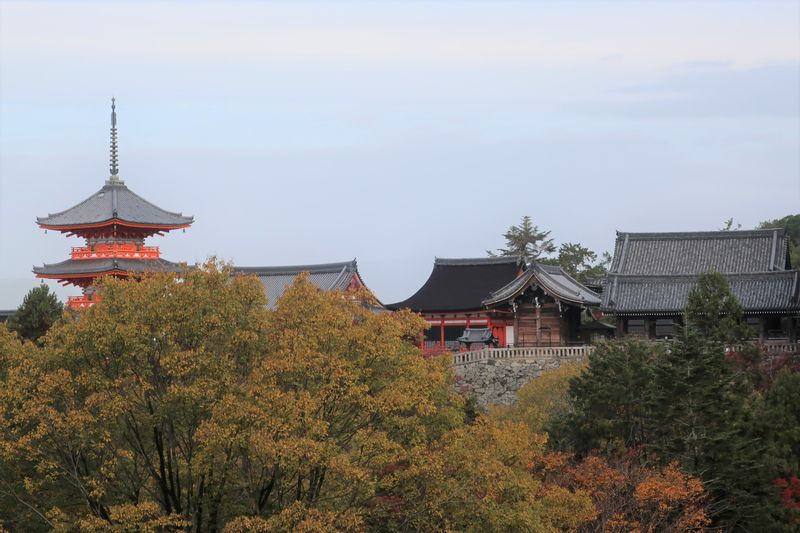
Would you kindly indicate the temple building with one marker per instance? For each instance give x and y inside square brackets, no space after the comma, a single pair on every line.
[652,273]
[342,276]
[521,305]
[115,222]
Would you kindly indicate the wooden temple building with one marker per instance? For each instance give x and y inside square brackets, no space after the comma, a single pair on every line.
[651,275]
[115,222]
[342,276]
[521,305]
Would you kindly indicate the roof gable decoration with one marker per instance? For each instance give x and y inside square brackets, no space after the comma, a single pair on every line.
[553,280]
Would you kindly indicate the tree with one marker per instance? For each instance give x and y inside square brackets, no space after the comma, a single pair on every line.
[713,311]
[39,311]
[526,240]
[195,398]
[792,225]
[482,477]
[608,407]
[581,263]
[730,225]
[543,399]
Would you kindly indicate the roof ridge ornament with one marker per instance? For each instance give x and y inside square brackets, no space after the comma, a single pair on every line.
[114,160]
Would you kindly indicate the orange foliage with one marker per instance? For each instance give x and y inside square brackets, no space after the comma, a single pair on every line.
[629,495]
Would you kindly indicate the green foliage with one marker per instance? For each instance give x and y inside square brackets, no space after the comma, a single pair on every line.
[713,311]
[608,399]
[581,263]
[39,311]
[526,240]
[792,225]
[543,399]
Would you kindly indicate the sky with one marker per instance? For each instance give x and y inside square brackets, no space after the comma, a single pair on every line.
[395,132]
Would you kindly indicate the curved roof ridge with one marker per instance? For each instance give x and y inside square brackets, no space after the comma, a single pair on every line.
[342,266]
[469,261]
[724,234]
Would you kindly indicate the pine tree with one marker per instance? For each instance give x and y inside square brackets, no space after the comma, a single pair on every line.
[39,310]
[701,413]
[526,240]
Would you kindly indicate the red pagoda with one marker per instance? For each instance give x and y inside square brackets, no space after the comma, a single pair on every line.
[115,222]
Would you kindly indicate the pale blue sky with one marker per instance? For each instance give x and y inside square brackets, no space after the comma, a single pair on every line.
[300,132]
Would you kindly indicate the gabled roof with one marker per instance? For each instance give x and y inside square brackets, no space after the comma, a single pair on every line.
[462,284]
[653,272]
[774,291]
[115,202]
[327,276]
[553,281]
[697,252]
[73,267]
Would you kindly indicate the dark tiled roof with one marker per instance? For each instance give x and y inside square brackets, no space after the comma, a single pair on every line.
[756,291]
[96,266]
[471,335]
[698,252]
[5,313]
[553,280]
[462,284]
[115,201]
[328,277]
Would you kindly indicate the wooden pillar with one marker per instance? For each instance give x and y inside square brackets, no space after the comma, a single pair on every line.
[620,331]
[516,327]
[762,329]
[538,325]
[441,334]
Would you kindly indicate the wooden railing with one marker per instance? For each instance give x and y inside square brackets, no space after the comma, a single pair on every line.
[113,250]
[539,352]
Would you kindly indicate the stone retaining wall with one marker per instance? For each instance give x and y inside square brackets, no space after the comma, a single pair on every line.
[496,381]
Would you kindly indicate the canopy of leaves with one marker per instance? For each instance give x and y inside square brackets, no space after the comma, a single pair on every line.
[696,404]
[39,310]
[526,240]
[185,404]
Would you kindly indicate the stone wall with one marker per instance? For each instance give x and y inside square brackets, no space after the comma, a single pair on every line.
[496,381]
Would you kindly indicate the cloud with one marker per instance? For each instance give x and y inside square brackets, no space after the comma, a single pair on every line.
[460,33]
[710,90]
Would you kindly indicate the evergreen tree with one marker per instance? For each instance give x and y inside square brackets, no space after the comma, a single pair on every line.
[779,421]
[39,310]
[713,311]
[581,263]
[702,413]
[609,399]
[526,240]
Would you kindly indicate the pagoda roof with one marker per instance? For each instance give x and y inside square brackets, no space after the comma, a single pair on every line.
[326,276]
[78,267]
[462,284]
[115,203]
[553,280]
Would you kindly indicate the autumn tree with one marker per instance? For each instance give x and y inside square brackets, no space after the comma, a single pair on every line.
[543,399]
[38,312]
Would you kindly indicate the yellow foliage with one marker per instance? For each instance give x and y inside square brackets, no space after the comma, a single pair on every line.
[542,398]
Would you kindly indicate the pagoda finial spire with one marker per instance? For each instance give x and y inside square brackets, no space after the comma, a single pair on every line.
[114,161]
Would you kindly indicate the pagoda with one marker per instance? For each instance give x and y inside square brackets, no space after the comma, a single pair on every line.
[115,222]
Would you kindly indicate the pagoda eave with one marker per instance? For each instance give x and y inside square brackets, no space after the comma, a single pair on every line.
[75,228]
[84,280]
